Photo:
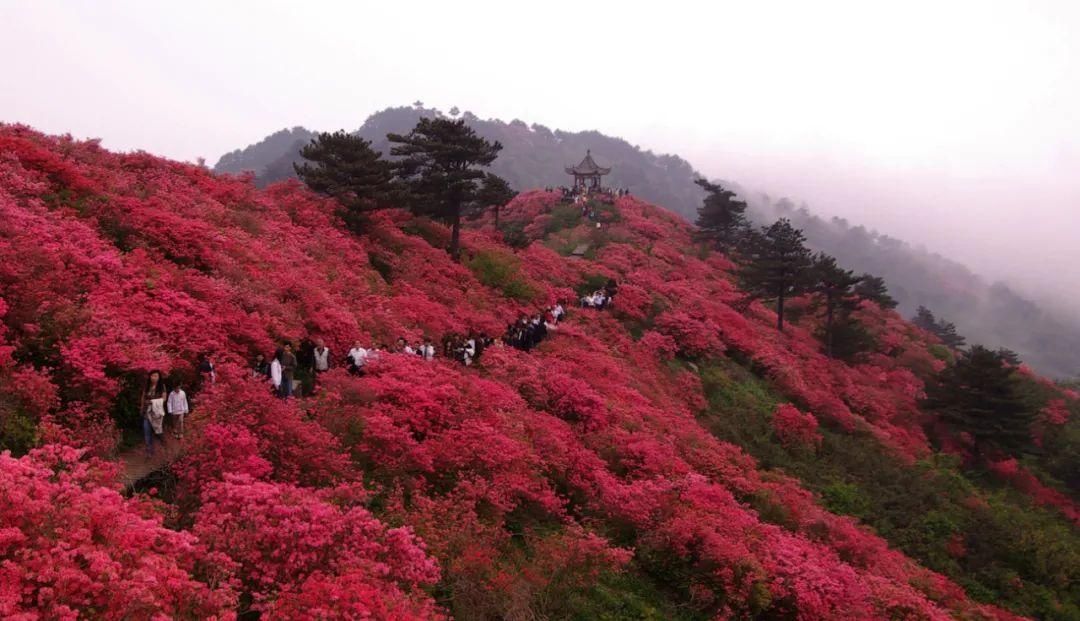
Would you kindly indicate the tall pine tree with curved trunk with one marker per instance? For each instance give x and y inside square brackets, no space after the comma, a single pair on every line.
[439,160]
[776,265]
[721,218]
[345,167]
[978,395]
[836,287]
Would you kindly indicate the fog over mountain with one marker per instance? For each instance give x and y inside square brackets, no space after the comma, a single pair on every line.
[985,311]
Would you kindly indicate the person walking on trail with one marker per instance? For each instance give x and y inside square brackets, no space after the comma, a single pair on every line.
[260,368]
[288,369]
[356,358]
[275,372]
[152,407]
[177,405]
[207,374]
[322,356]
[427,350]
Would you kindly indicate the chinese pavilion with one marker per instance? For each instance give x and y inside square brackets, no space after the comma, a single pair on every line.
[587,174]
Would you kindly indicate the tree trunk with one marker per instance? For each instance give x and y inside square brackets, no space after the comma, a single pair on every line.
[828,327]
[455,235]
[780,311]
[496,217]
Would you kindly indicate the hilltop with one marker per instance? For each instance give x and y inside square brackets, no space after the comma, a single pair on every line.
[673,457]
[534,156]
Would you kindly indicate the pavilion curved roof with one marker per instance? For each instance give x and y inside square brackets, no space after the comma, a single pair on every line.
[587,167]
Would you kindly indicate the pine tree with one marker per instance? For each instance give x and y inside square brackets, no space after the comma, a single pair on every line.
[873,288]
[439,160]
[978,395]
[776,264]
[924,318]
[721,217]
[345,167]
[494,193]
[947,333]
[836,287]
[944,330]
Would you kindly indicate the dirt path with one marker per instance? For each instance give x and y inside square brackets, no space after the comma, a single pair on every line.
[136,465]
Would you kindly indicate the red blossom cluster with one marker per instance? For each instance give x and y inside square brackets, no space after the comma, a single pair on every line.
[795,428]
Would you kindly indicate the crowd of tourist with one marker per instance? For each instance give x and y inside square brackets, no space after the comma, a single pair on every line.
[572,195]
[601,298]
[291,369]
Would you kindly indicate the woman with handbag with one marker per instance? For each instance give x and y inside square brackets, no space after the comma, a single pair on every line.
[152,407]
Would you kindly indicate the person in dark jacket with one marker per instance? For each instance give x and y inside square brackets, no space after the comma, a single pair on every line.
[289,365]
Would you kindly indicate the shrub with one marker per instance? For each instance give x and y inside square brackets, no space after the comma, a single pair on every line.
[503,272]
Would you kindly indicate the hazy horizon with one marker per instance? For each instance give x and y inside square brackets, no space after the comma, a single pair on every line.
[955,127]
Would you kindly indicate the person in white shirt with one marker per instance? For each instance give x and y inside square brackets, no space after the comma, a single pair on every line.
[275,372]
[401,346]
[177,406]
[559,312]
[470,351]
[427,349]
[322,356]
[357,355]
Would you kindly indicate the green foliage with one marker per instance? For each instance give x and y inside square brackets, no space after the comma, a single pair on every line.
[18,431]
[438,165]
[979,395]
[382,266]
[1012,554]
[592,283]
[873,288]
[845,498]
[514,235]
[941,352]
[563,216]
[847,339]
[429,231]
[721,218]
[944,330]
[630,595]
[344,166]
[776,265]
[842,336]
[1061,454]
[503,272]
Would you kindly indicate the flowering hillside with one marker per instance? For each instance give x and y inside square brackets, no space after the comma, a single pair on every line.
[672,457]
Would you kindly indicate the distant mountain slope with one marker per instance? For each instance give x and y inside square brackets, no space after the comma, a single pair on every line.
[534,156]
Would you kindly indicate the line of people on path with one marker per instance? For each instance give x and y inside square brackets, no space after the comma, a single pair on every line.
[601,298]
[527,332]
[291,372]
[287,369]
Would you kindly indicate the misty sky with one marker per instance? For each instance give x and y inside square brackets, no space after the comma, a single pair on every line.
[950,123]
